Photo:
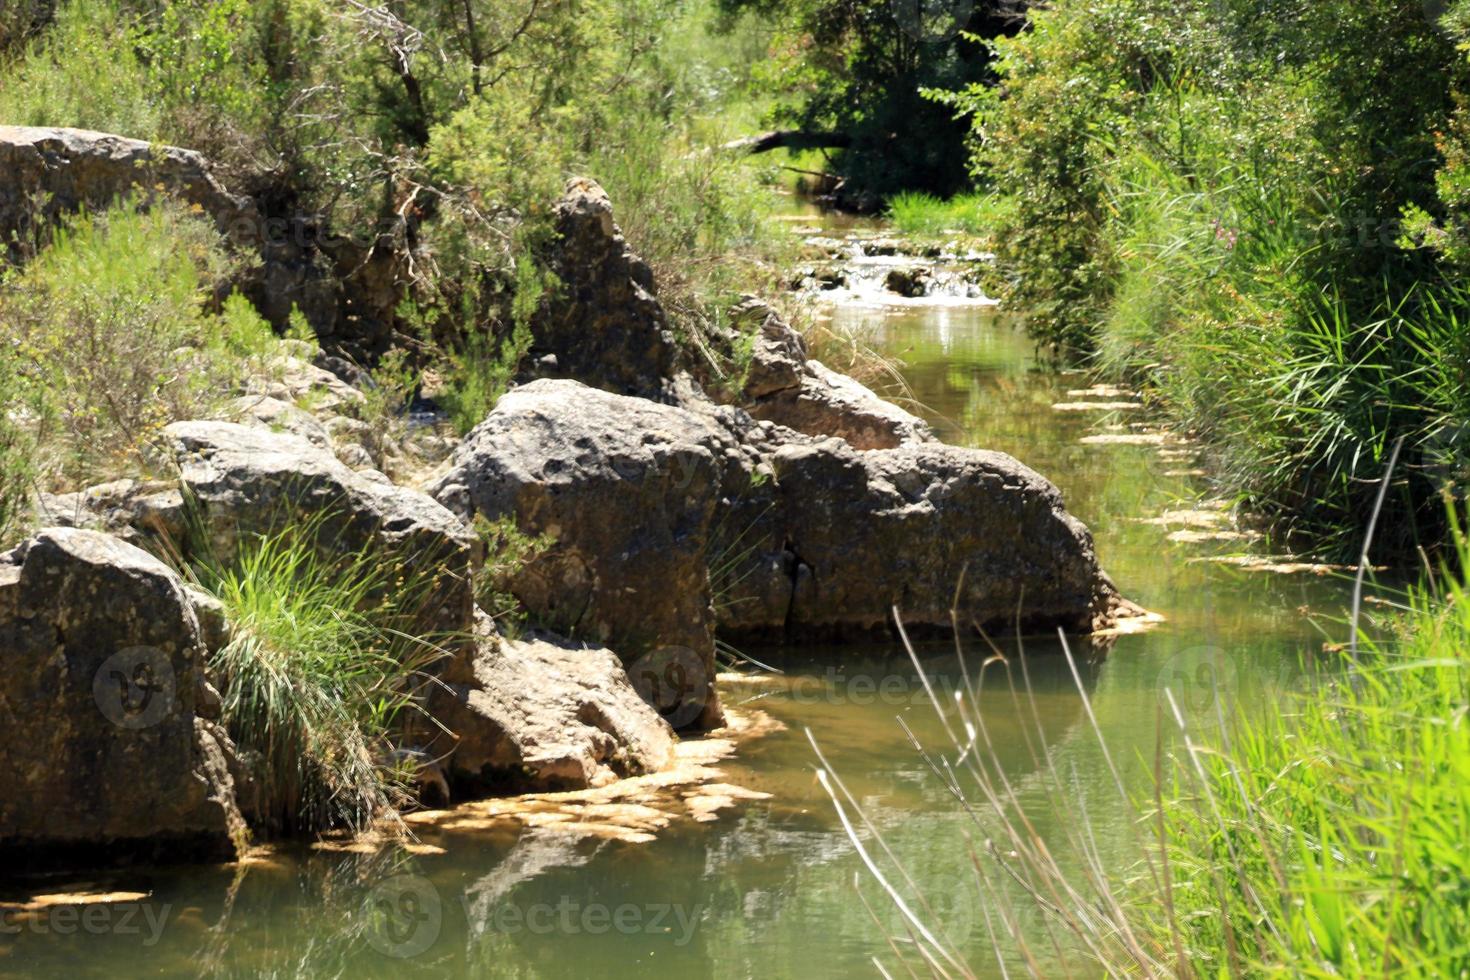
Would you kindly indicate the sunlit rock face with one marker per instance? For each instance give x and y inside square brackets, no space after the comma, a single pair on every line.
[109,749]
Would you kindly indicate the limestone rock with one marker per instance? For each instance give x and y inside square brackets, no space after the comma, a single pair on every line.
[130,509]
[545,714]
[849,536]
[105,755]
[252,481]
[627,488]
[603,325]
[73,168]
[784,387]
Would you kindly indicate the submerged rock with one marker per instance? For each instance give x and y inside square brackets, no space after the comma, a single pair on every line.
[108,752]
[544,714]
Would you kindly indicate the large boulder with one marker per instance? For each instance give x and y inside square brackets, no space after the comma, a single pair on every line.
[543,713]
[848,537]
[70,169]
[251,481]
[107,752]
[626,489]
[670,523]
[602,323]
[784,386]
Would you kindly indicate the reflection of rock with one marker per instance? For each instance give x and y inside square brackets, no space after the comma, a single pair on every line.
[106,753]
[534,853]
[544,714]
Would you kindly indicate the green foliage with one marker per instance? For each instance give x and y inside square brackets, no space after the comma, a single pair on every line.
[1336,846]
[114,336]
[83,72]
[859,67]
[508,550]
[16,452]
[487,367]
[921,215]
[321,666]
[1207,198]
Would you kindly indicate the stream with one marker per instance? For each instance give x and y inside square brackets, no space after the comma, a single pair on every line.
[773,887]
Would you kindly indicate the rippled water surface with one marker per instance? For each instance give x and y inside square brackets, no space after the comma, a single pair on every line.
[772,888]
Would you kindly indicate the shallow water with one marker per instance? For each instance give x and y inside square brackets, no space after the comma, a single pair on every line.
[772,888]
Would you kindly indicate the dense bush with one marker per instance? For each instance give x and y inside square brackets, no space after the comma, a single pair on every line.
[114,331]
[858,68]
[442,132]
[1256,210]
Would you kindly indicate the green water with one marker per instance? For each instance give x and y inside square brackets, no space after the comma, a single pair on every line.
[772,888]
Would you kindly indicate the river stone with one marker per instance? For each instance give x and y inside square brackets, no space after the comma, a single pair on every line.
[627,488]
[544,713]
[105,753]
[251,481]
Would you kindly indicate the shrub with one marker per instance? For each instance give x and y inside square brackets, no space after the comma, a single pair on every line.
[322,666]
[116,336]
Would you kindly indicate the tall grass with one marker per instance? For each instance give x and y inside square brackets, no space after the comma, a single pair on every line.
[322,668]
[1321,836]
[924,215]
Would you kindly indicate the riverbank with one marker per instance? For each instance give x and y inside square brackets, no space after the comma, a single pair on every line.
[768,885]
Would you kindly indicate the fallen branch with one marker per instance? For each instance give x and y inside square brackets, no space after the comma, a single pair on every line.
[789,139]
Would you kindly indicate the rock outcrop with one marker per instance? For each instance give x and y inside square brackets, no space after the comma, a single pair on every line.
[109,750]
[64,170]
[671,523]
[627,489]
[252,481]
[543,714]
[847,537]
[784,386]
[602,325]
